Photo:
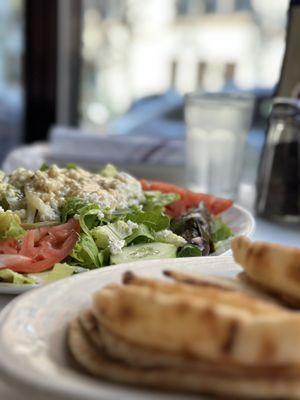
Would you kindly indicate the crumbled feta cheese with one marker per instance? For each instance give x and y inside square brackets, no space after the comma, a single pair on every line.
[132,225]
[115,246]
[54,185]
[164,233]
[100,215]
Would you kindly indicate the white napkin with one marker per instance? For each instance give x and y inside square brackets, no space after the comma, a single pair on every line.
[74,144]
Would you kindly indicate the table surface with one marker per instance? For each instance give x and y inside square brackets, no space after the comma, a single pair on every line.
[265,230]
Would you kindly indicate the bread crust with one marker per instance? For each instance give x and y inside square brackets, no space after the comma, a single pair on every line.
[274,267]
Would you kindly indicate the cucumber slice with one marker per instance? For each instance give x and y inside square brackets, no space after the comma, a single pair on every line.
[144,251]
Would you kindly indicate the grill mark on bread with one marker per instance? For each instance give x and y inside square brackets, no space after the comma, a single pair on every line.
[126,313]
[293,271]
[268,349]
[208,314]
[230,338]
[90,319]
[182,307]
[189,280]
[128,277]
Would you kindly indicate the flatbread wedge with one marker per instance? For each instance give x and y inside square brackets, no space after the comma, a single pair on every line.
[275,268]
[119,349]
[95,360]
[205,322]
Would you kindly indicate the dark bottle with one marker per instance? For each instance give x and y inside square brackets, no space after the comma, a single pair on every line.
[278,183]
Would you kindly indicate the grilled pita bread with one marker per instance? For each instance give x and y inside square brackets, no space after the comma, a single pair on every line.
[119,349]
[96,361]
[205,322]
[273,267]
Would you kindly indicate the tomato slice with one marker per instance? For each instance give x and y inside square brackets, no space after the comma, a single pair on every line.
[188,200]
[40,248]
[163,187]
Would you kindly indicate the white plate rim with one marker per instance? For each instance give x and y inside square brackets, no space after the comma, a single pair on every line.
[13,373]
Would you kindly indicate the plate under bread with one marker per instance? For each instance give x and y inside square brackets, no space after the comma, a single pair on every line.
[33,331]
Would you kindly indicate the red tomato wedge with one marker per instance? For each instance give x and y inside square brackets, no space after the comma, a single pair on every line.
[40,248]
[188,200]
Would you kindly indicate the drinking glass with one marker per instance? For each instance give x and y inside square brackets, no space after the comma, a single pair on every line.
[216,132]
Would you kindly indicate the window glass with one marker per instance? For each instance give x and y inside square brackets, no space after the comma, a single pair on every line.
[135,48]
[11,50]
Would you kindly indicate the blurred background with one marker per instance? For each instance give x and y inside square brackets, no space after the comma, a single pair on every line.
[122,67]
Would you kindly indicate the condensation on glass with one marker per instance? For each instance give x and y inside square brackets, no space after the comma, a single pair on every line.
[217,126]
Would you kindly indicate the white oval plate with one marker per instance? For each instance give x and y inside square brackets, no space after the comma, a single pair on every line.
[240,221]
[33,331]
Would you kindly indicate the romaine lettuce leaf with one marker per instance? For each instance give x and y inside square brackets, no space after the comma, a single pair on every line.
[141,234]
[10,276]
[59,271]
[109,171]
[113,232]
[154,219]
[89,217]
[155,198]
[86,252]
[44,167]
[167,236]
[189,250]
[219,230]
[71,207]
[10,226]
[71,165]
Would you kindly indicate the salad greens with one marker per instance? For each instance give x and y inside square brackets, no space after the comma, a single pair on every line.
[112,236]
[219,230]
[10,226]
[109,171]
[59,271]
[155,198]
[190,250]
[9,276]
[196,228]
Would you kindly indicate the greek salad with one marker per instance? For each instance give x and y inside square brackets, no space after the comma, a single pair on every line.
[55,222]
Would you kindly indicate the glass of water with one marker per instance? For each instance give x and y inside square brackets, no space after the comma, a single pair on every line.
[216,131]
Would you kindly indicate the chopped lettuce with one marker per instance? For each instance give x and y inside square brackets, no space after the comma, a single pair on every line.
[71,207]
[10,226]
[155,198]
[89,216]
[109,171]
[86,252]
[155,219]
[220,231]
[44,167]
[114,232]
[141,234]
[71,165]
[10,276]
[189,250]
[167,236]
[59,271]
